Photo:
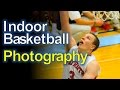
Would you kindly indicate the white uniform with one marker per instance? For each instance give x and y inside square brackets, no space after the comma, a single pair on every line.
[74,70]
[74,15]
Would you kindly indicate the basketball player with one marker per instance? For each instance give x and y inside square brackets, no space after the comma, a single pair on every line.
[88,44]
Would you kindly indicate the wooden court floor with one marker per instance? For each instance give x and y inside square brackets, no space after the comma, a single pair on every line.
[108,58]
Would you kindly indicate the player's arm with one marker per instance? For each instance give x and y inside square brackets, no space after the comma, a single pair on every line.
[64,18]
[92,70]
[88,14]
[91,22]
[82,21]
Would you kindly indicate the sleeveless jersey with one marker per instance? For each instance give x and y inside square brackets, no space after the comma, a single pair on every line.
[74,69]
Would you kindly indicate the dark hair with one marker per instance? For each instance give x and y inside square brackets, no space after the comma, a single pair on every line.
[96,41]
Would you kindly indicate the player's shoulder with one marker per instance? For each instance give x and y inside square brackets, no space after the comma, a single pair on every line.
[73,48]
[94,64]
[92,61]
[92,57]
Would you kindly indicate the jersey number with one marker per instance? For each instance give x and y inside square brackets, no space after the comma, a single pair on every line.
[72,74]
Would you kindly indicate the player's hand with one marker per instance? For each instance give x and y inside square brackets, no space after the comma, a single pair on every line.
[99,22]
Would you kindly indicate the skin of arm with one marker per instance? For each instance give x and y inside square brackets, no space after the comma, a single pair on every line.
[91,21]
[92,70]
[88,14]
[82,21]
[64,19]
